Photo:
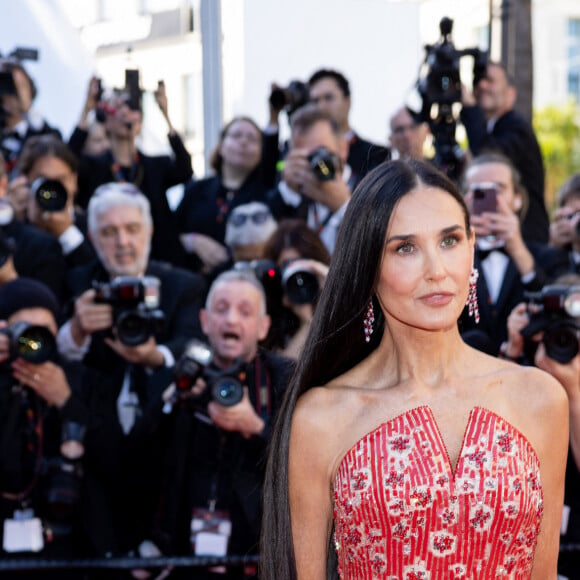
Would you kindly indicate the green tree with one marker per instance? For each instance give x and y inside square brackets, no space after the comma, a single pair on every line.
[558,131]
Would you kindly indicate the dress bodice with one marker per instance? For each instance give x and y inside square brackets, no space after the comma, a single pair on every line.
[400,512]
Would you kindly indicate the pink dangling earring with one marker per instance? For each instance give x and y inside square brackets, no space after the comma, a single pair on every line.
[473,309]
[368,321]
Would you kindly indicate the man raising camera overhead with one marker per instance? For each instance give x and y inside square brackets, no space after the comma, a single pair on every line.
[132,318]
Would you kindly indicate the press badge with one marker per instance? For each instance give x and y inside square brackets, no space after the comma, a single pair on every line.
[23,533]
[210,532]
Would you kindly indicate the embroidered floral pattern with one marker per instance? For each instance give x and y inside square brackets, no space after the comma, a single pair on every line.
[401,512]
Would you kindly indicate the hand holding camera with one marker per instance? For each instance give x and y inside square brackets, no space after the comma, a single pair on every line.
[47,380]
[52,210]
[565,227]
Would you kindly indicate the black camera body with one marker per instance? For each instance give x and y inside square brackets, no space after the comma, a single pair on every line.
[323,163]
[31,342]
[440,85]
[50,194]
[135,301]
[558,311]
[290,98]
[299,285]
[224,386]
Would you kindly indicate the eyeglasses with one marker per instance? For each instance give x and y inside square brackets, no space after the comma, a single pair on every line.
[239,219]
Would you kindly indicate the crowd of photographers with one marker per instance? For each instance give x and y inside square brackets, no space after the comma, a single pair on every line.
[144,350]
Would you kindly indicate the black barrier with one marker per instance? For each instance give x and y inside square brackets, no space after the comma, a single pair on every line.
[127,563]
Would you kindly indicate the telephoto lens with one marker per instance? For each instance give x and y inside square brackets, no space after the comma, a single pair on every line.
[50,194]
[300,285]
[33,343]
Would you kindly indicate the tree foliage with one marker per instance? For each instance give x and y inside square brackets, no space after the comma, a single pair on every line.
[558,132]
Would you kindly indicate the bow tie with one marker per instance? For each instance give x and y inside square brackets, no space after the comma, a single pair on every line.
[483,254]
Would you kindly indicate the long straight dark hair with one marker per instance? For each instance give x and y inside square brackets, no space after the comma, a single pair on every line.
[336,340]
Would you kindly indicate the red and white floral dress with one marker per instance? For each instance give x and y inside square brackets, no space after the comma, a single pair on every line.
[401,513]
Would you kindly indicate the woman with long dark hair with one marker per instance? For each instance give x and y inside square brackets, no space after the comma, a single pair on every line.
[400,451]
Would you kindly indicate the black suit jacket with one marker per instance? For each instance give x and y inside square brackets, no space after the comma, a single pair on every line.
[122,471]
[513,136]
[37,255]
[493,316]
[199,455]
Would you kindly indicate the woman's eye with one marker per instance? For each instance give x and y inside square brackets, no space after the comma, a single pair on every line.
[405,248]
[449,241]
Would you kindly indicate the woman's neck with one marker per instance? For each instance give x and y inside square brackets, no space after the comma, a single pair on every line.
[123,151]
[233,177]
[426,357]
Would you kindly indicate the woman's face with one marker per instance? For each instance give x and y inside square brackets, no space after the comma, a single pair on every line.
[427,258]
[241,147]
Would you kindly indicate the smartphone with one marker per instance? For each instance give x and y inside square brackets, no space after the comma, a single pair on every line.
[484,198]
[133,89]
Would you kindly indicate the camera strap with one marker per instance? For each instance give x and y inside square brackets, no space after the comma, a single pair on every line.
[35,429]
[320,225]
[262,387]
[135,174]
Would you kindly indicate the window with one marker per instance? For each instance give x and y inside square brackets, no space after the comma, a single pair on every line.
[574,58]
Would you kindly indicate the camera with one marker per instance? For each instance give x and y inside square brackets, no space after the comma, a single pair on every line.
[558,308]
[323,163]
[31,342]
[135,302]
[290,98]
[222,386]
[299,285]
[439,85]
[50,194]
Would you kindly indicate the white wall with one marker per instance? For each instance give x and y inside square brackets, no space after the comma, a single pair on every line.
[64,66]
[374,43]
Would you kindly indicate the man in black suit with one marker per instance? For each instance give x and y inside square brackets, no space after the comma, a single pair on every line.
[330,90]
[492,124]
[507,265]
[216,455]
[319,196]
[127,373]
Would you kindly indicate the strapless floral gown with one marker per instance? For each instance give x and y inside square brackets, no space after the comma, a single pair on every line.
[401,513]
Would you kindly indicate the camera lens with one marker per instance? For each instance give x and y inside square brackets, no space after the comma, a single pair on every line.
[32,343]
[133,328]
[300,286]
[227,391]
[50,194]
[561,342]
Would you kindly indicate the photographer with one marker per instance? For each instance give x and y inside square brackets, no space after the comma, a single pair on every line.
[563,254]
[124,162]
[49,173]
[544,334]
[216,458]
[18,120]
[41,430]
[35,254]
[507,265]
[303,261]
[132,318]
[491,123]
[316,180]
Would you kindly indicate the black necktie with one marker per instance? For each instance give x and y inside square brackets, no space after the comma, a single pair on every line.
[483,254]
